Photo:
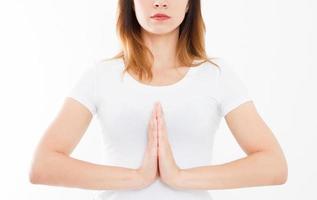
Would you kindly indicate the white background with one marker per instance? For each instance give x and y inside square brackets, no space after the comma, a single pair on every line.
[46,44]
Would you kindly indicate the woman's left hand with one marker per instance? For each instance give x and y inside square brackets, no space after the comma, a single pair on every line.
[168,169]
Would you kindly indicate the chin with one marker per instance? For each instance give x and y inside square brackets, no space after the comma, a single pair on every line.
[161,31]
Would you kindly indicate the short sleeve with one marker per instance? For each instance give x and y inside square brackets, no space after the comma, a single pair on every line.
[232,90]
[84,89]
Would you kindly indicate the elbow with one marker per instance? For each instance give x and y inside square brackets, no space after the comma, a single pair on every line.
[37,169]
[280,172]
[34,174]
[280,178]
[283,176]
[32,177]
[41,170]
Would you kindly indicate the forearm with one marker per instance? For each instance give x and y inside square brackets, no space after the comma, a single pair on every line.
[260,168]
[62,170]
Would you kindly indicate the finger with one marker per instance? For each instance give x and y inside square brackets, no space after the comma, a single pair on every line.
[160,121]
[157,108]
[150,125]
[154,135]
[152,128]
[160,132]
[162,114]
[154,132]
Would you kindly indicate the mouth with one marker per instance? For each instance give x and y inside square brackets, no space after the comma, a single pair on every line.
[160,16]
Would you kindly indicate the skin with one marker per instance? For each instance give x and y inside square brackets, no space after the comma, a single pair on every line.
[161,37]
[159,160]
[264,164]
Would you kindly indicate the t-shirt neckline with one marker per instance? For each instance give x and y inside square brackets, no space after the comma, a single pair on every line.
[180,82]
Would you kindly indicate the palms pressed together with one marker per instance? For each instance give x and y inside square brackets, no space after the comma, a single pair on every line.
[158,159]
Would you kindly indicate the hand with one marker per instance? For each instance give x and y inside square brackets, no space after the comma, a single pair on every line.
[168,169]
[149,169]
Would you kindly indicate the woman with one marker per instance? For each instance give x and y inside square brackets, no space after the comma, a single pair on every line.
[159,103]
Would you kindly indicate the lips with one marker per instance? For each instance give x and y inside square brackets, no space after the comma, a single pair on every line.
[160,15]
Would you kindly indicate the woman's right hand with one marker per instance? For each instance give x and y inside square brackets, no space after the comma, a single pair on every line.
[148,171]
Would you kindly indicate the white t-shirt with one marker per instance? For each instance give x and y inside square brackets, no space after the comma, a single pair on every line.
[193,108]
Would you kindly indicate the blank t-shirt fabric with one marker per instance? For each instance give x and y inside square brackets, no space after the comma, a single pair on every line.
[193,108]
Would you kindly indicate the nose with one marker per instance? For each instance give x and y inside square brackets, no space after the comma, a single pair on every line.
[161,3]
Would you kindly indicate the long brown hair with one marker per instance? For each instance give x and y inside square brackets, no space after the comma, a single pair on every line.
[139,59]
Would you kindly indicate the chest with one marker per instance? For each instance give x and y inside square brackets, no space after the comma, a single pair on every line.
[191,114]
[188,113]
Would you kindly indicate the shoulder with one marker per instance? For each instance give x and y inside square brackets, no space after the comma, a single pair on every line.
[109,65]
[219,65]
[109,71]
[224,70]
[212,65]
[208,70]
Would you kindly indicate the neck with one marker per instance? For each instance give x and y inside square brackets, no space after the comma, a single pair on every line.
[163,48]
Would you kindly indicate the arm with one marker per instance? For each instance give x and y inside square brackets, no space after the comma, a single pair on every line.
[58,169]
[52,164]
[264,164]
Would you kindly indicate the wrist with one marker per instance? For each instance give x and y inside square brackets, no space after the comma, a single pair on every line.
[141,181]
[138,179]
[176,181]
